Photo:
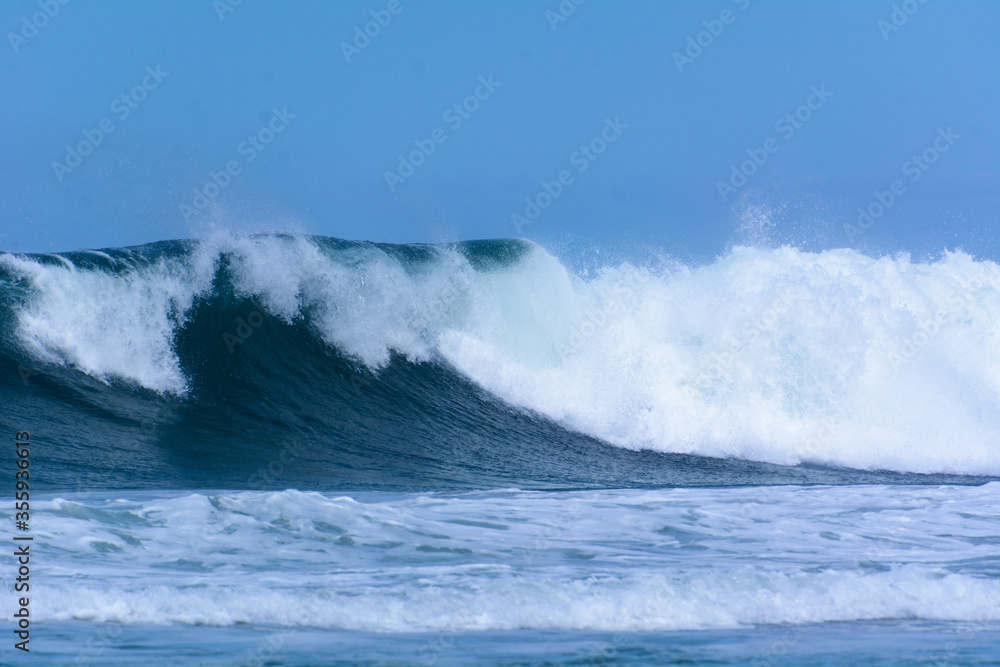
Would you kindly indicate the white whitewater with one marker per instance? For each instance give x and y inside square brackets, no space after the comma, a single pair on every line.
[774,355]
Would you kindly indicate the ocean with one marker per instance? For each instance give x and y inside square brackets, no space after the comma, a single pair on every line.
[281,449]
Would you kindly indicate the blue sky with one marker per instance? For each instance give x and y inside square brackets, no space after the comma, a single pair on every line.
[202,82]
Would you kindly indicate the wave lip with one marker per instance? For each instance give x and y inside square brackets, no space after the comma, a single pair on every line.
[776,355]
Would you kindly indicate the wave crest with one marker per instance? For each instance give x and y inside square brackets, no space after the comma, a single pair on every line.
[773,355]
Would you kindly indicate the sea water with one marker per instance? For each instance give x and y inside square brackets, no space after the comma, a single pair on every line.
[292,450]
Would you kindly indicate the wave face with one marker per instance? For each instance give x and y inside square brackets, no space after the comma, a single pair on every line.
[626,560]
[250,362]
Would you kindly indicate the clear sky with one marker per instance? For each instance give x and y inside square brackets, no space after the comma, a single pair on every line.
[627,122]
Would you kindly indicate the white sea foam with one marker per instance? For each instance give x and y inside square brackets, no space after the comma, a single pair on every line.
[600,560]
[653,602]
[776,355]
[110,325]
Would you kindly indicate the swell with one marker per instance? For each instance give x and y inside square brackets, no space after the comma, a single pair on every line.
[276,361]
